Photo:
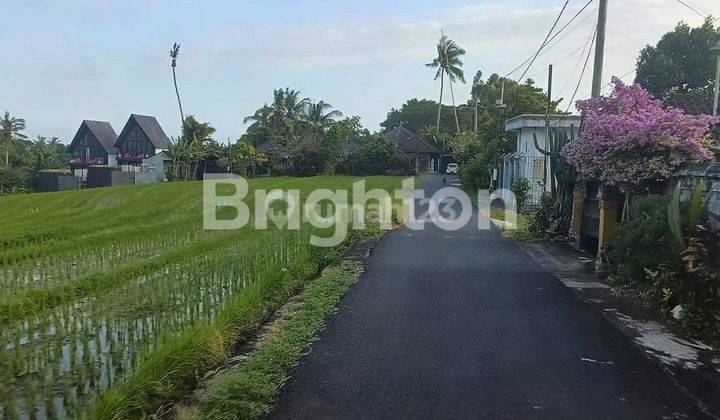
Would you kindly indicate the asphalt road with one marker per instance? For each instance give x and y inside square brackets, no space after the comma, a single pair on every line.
[464,324]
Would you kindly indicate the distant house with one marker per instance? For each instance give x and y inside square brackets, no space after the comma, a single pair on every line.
[425,157]
[141,138]
[527,161]
[278,158]
[93,144]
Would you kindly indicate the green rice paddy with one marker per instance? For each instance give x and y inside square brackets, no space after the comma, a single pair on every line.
[99,284]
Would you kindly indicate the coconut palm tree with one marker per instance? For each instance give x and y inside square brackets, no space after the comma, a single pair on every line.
[174,52]
[10,130]
[318,120]
[448,63]
[288,110]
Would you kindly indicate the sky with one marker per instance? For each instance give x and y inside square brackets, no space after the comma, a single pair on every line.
[68,60]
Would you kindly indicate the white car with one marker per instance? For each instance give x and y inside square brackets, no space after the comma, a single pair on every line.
[452,168]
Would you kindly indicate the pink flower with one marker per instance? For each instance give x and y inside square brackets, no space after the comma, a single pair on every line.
[630,139]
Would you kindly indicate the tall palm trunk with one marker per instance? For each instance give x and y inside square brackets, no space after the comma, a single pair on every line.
[457,123]
[7,154]
[177,94]
[442,80]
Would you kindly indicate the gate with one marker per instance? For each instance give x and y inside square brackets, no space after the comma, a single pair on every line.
[590,228]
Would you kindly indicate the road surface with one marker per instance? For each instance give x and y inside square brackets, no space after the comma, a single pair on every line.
[464,324]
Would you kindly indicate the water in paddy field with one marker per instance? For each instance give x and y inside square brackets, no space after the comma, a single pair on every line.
[53,363]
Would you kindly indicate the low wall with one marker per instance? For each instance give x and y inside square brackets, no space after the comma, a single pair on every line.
[689,178]
[57,181]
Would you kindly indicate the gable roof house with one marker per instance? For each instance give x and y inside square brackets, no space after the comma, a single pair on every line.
[93,144]
[141,138]
[425,156]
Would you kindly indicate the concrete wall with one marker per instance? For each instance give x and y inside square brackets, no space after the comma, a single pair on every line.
[53,181]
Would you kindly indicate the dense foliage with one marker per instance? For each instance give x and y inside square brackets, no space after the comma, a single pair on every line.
[642,240]
[681,60]
[521,188]
[26,158]
[630,140]
[376,156]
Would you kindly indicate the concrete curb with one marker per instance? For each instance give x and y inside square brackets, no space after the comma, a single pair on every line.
[692,365]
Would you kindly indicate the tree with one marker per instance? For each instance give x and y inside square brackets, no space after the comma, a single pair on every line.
[416,114]
[376,156]
[244,155]
[174,52]
[44,154]
[318,118]
[631,141]
[342,135]
[10,130]
[681,60]
[485,147]
[448,62]
[283,116]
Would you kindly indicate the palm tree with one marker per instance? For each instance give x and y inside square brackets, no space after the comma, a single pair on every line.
[261,117]
[10,130]
[174,52]
[448,62]
[288,110]
[318,119]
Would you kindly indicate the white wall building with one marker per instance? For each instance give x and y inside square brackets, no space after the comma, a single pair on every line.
[527,161]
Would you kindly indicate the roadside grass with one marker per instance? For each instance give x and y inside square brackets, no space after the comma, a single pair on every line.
[520,232]
[177,365]
[248,391]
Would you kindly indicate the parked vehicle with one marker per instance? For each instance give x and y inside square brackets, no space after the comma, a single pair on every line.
[452,168]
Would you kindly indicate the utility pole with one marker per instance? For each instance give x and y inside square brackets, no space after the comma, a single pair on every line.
[599,49]
[716,52]
[547,131]
[476,115]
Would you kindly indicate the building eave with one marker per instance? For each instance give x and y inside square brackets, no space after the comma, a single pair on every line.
[538,121]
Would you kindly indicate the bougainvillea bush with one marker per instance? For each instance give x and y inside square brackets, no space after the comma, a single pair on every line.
[631,140]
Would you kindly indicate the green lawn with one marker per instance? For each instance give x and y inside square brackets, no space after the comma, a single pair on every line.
[119,292]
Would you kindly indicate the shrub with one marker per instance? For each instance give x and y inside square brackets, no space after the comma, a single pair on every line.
[376,156]
[306,162]
[521,188]
[474,174]
[642,241]
[540,219]
[16,180]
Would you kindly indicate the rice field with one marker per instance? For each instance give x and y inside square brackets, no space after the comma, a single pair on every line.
[93,281]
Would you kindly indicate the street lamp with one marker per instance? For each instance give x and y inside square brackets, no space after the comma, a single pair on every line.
[715,52]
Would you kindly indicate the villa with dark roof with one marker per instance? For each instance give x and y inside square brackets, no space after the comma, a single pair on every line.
[425,157]
[141,138]
[93,144]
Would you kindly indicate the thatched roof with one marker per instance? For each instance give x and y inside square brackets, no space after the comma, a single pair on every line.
[408,142]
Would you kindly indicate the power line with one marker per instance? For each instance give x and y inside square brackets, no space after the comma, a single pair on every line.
[579,60]
[582,74]
[549,47]
[696,11]
[553,37]
[545,41]
[691,8]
